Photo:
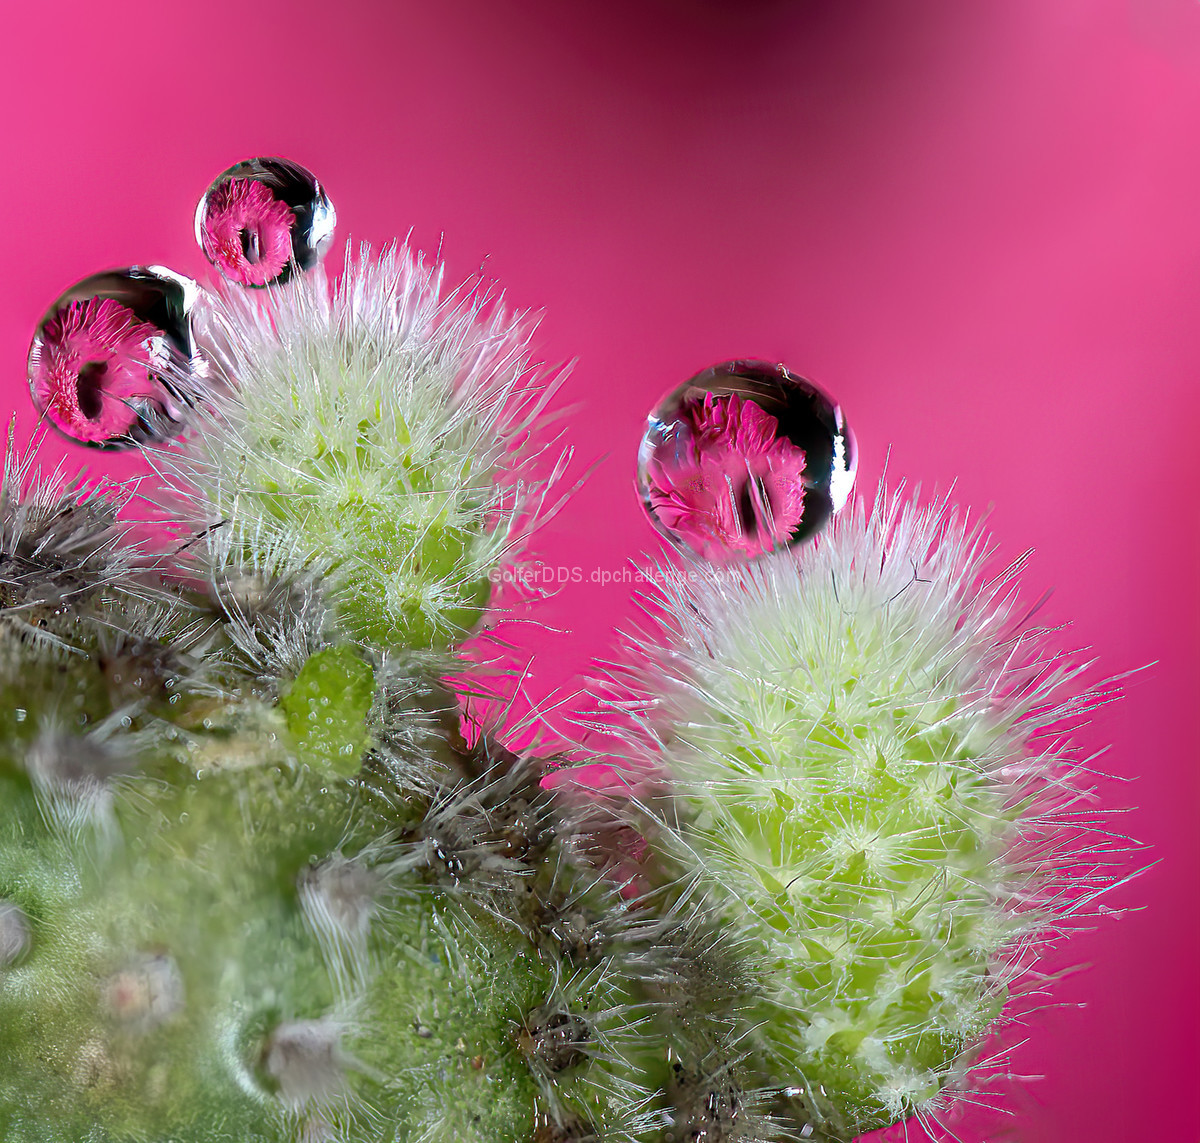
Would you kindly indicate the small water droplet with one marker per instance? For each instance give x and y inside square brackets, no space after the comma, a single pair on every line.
[263,219]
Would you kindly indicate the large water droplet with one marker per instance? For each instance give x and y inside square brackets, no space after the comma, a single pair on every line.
[743,459]
[114,363]
[263,219]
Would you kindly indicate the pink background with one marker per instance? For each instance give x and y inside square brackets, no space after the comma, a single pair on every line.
[977,223]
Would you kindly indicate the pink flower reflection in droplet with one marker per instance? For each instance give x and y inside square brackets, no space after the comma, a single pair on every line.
[95,360]
[734,486]
[247,232]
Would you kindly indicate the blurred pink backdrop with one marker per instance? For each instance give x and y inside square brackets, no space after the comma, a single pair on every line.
[978,224]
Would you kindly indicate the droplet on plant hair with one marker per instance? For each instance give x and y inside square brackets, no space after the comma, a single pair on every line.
[113,363]
[744,459]
[264,219]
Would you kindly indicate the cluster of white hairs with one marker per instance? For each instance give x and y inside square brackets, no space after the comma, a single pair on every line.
[376,432]
[56,536]
[861,740]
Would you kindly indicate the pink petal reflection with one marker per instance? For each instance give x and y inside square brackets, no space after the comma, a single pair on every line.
[247,232]
[735,486]
[95,360]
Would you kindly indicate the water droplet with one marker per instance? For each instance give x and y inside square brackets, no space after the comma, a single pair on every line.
[743,459]
[262,220]
[113,363]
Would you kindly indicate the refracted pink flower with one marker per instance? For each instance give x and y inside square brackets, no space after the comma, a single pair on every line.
[734,485]
[246,232]
[96,361]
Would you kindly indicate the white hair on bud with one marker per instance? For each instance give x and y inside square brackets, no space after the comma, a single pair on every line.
[75,775]
[61,543]
[304,1059]
[375,429]
[15,934]
[338,897]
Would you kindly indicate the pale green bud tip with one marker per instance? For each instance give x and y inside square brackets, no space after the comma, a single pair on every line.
[327,706]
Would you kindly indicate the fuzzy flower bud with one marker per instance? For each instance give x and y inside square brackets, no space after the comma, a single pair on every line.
[367,433]
[855,735]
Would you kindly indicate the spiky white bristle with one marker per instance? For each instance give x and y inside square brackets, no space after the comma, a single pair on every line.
[61,543]
[856,735]
[375,431]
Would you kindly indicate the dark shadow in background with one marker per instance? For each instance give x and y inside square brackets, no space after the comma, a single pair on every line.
[663,45]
